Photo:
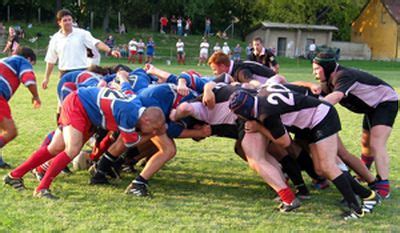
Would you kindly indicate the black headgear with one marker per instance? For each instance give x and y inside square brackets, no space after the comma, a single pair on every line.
[242,104]
[327,60]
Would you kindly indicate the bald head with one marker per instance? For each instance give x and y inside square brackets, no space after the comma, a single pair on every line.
[152,121]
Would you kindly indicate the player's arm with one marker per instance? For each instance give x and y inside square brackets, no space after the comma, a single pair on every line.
[103,47]
[208,95]
[35,96]
[182,86]
[334,97]
[200,133]
[315,88]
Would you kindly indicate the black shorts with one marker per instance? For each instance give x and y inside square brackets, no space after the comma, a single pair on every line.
[225,130]
[327,127]
[240,129]
[384,114]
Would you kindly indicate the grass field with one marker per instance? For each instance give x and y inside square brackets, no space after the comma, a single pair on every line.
[206,187]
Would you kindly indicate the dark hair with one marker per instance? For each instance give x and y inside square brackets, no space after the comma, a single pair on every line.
[61,13]
[116,68]
[100,70]
[258,39]
[26,53]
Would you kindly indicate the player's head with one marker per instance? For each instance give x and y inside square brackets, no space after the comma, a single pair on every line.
[241,103]
[119,67]
[64,19]
[258,44]
[219,63]
[324,64]
[27,53]
[152,121]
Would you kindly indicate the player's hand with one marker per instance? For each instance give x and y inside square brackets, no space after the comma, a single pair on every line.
[123,75]
[315,89]
[183,90]
[36,102]
[172,115]
[209,99]
[251,127]
[115,54]
[45,82]
[206,130]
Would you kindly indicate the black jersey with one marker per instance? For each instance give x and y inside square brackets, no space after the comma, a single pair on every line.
[278,106]
[267,58]
[362,91]
[245,71]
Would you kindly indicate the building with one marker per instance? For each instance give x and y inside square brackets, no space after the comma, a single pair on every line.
[292,40]
[378,25]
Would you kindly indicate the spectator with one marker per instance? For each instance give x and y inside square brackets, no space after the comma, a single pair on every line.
[163,24]
[173,24]
[237,52]
[150,50]
[311,51]
[110,41]
[124,50]
[204,45]
[180,52]
[132,46]
[217,47]
[12,42]
[122,29]
[226,49]
[179,24]
[249,50]
[140,50]
[207,29]
[188,26]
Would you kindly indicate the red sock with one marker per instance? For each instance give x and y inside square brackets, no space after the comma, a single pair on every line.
[38,157]
[59,163]
[367,160]
[286,195]
[102,147]
[43,167]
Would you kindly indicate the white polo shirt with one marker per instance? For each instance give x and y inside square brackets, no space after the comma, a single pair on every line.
[70,50]
[180,46]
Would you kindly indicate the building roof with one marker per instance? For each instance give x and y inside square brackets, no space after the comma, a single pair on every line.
[393,7]
[266,25]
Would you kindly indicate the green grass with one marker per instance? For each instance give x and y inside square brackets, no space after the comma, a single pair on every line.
[206,187]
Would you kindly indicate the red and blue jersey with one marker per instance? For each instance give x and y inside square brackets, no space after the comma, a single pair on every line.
[193,79]
[138,79]
[164,96]
[13,71]
[113,110]
[71,81]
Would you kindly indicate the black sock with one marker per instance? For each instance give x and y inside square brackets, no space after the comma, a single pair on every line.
[305,163]
[357,187]
[118,164]
[344,187]
[141,179]
[106,162]
[290,167]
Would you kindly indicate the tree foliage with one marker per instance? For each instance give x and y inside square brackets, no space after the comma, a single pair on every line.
[145,14]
